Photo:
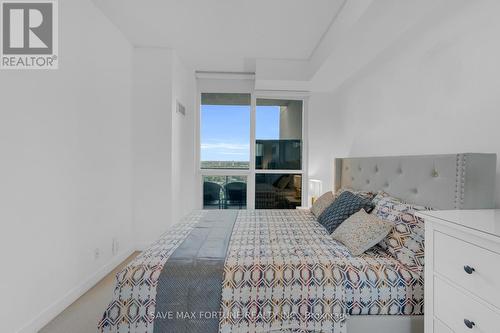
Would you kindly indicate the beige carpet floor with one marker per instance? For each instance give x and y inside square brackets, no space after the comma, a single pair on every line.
[82,316]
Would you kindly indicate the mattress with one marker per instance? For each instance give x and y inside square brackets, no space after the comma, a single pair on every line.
[282,271]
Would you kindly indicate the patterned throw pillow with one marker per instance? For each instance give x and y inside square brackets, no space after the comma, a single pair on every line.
[405,242]
[381,195]
[322,203]
[346,204]
[361,232]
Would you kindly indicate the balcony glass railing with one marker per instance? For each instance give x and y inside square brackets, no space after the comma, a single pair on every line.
[224,192]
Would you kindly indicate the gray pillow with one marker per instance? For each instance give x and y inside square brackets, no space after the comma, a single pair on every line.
[322,203]
[343,207]
[361,231]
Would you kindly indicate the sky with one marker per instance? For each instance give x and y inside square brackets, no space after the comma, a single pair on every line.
[225,130]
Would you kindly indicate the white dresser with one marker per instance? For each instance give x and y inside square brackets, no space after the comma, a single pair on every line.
[462,271]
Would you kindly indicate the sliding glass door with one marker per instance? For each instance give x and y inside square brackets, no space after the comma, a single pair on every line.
[250,151]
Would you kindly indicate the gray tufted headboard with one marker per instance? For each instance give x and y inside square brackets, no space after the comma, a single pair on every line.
[455,181]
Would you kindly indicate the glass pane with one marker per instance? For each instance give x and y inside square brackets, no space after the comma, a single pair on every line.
[224,192]
[225,131]
[278,134]
[278,191]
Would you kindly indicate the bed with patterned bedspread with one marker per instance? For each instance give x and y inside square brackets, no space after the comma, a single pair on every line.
[282,272]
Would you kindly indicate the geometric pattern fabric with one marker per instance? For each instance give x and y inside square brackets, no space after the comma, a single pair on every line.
[406,240]
[283,266]
[283,271]
[134,301]
[342,208]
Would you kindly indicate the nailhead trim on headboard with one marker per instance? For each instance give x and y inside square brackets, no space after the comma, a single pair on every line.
[447,181]
[460,181]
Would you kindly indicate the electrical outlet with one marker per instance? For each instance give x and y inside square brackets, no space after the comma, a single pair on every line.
[115,246]
[97,253]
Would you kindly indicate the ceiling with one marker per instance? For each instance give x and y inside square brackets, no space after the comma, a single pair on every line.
[225,35]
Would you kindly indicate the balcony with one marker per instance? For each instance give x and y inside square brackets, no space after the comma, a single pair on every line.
[224,192]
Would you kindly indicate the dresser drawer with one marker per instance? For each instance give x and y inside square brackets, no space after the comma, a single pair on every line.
[451,256]
[439,327]
[452,307]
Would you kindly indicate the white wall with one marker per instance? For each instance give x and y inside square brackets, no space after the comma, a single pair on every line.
[151,132]
[163,142]
[183,141]
[291,120]
[437,90]
[65,170]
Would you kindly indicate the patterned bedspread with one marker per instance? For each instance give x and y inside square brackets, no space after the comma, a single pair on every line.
[283,272]
[133,306]
[282,262]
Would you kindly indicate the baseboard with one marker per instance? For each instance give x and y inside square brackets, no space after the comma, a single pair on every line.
[57,307]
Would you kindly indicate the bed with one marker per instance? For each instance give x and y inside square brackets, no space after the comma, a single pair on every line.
[280,271]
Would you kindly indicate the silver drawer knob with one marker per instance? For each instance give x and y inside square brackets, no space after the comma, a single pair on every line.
[469,324]
[469,270]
